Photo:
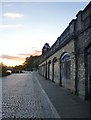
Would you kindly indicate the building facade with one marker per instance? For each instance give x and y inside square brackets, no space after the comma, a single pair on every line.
[68,62]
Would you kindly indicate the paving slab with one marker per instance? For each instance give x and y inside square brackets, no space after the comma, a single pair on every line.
[67,104]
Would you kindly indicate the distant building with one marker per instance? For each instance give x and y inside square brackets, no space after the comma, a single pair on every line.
[68,62]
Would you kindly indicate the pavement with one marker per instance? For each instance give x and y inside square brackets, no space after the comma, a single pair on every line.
[30,95]
[67,104]
[24,98]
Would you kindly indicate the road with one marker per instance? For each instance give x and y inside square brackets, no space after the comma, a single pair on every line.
[24,97]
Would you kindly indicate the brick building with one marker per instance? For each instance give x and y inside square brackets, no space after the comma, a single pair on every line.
[68,61]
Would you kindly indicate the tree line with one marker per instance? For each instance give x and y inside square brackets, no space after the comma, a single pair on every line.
[31,63]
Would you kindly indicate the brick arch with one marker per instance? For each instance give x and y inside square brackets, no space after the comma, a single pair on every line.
[65,66]
[49,69]
[55,70]
[54,59]
[64,54]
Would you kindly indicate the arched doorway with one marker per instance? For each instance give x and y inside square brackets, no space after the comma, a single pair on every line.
[55,76]
[65,68]
[44,70]
[49,69]
[88,73]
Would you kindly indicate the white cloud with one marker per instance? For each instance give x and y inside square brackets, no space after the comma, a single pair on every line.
[11,26]
[8,5]
[13,15]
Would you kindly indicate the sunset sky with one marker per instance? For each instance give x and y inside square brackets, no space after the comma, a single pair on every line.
[26,26]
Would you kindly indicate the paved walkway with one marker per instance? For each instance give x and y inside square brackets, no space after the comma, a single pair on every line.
[31,96]
[23,97]
[66,104]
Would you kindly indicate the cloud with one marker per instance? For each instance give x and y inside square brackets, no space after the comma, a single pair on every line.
[19,59]
[26,54]
[21,56]
[13,15]
[9,57]
[11,26]
[33,52]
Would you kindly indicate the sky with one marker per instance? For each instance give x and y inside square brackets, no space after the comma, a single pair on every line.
[26,26]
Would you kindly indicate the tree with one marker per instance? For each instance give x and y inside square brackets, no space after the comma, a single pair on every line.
[3,69]
[17,69]
[31,63]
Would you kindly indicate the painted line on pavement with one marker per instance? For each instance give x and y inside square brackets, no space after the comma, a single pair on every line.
[55,113]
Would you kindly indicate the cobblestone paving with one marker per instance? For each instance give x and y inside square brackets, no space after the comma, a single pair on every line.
[0,98]
[23,97]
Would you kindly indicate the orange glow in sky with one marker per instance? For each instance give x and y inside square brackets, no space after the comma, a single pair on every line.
[26,26]
[18,59]
[12,62]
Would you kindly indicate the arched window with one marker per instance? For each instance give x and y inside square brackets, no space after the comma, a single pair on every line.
[65,66]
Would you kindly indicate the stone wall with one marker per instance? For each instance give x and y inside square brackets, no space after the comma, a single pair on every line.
[69,48]
[83,40]
[72,42]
